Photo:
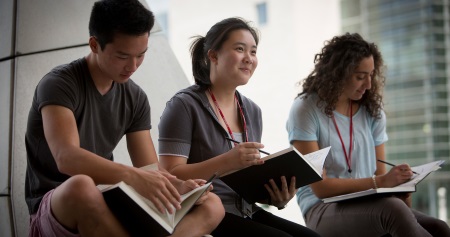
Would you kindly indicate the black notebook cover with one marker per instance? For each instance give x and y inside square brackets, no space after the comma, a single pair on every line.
[249,182]
[134,219]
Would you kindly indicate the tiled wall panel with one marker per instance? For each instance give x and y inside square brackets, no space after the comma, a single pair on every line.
[50,24]
[5,103]
[6,27]
[5,220]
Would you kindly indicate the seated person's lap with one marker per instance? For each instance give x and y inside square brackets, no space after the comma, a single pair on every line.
[43,223]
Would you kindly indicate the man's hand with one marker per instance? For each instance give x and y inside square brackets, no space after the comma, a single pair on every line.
[188,185]
[156,186]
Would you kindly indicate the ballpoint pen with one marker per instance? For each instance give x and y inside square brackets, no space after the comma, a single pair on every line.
[387,163]
[212,177]
[229,139]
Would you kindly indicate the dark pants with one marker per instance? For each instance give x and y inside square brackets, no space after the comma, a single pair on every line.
[435,227]
[262,224]
[373,216]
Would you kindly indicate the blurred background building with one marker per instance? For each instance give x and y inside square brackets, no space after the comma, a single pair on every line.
[414,38]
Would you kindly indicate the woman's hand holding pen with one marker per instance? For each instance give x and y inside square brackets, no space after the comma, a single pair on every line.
[396,175]
[244,154]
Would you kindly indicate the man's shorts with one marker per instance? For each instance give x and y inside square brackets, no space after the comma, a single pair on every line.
[43,223]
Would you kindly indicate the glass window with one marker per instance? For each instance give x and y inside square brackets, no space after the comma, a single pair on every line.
[163,21]
[350,8]
[261,8]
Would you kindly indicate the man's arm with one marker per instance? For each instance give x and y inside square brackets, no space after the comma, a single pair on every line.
[142,152]
[141,149]
[61,133]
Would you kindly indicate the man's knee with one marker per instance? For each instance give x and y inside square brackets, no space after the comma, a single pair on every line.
[78,190]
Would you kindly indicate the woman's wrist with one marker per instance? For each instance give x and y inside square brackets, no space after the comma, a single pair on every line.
[374,181]
[280,207]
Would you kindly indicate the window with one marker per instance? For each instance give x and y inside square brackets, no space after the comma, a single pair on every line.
[261,9]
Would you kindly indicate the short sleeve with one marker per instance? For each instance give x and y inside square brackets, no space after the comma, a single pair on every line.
[175,129]
[379,129]
[142,115]
[56,88]
[302,123]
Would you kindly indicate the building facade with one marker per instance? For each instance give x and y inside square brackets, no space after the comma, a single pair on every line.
[414,38]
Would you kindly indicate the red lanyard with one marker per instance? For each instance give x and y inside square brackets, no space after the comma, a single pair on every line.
[349,157]
[223,117]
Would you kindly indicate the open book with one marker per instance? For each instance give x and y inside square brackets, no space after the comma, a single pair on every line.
[249,182]
[140,216]
[410,186]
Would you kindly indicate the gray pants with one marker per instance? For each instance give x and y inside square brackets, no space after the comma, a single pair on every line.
[373,217]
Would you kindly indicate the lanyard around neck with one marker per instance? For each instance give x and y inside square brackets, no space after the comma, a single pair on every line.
[223,117]
[348,158]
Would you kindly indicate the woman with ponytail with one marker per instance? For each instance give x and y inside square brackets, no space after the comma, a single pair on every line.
[198,121]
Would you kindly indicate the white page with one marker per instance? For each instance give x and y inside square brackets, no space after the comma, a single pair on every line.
[422,171]
[317,158]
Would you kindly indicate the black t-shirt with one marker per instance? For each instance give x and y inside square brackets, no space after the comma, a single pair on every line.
[102,120]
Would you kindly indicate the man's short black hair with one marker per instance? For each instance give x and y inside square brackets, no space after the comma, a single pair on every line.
[110,17]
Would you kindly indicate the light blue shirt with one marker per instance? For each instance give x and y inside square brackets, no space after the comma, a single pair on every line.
[307,122]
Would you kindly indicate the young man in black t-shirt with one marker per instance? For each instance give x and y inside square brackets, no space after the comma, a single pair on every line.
[80,112]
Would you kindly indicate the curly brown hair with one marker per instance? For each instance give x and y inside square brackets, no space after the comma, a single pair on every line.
[335,64]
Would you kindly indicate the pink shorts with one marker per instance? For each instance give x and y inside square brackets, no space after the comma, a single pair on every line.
[43,223]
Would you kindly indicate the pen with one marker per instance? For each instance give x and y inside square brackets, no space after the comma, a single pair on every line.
[212,177]
[382,161]
[229,139]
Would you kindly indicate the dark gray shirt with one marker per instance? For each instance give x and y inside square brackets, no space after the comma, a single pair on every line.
[190,128]
[102,120]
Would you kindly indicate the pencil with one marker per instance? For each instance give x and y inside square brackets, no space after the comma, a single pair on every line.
[387,163]
[229,139]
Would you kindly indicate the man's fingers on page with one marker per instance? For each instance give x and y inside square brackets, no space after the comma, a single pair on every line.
[162,204]
[171,192]
[170,199]
[200,182]
[191,184]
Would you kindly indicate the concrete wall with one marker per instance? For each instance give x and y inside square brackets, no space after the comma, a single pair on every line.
[37,36]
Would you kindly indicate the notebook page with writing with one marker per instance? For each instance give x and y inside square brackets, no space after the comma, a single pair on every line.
[422,172]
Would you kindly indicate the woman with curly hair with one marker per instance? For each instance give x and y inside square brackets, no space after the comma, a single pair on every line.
[341,106]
